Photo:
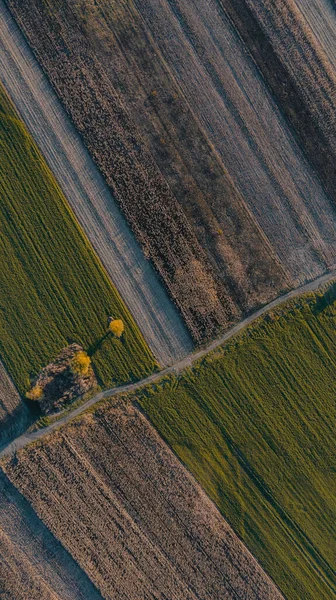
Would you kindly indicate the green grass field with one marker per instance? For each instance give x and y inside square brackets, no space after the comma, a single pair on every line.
[53,289]
[255,423]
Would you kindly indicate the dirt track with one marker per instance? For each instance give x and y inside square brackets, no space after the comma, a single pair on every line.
[187,361]
[89,197]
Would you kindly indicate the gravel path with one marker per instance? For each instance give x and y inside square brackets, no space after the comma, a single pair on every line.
[89,197]
[187,361]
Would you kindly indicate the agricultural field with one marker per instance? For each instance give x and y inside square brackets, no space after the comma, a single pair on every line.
[254,423]
[53,289]
[299,75]
[321,18]
[138,525]
[167,169]
[196,141]
[90,198]
[14,415]
[33,564]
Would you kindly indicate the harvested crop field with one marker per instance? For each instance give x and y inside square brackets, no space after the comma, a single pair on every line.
[211,160]
[130,515]
[89,197]
[254,422]
[13,413]
[321,18]
[53,288]
[299,75]
[33,564]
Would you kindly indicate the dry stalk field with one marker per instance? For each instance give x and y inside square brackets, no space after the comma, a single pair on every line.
[321,17]
[198,143]
[299,75]
[131,516]
[33,564]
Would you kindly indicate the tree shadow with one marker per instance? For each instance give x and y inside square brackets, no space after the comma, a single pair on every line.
[325,300]
[97,345]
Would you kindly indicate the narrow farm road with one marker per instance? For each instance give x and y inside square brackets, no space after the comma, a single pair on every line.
[89,197]
[176,368]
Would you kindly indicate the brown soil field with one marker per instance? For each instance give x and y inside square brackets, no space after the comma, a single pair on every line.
[130,515]
[14,416]
[297,72]
[193,116]
[33,563]
[320,15]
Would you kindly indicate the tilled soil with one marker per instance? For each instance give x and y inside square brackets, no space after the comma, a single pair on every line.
[33,564]
[199,115]
[297,72]
[131,516]
[321,18]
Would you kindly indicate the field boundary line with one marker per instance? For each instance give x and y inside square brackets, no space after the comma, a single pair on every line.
[176,368]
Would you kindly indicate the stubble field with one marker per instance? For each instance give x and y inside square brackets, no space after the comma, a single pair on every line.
[33,564]
[213,169]
[131,516]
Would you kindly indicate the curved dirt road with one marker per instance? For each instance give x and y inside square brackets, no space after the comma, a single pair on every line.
[89,197]
[26,439]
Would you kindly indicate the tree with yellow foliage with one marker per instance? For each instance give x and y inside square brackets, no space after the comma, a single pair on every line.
[35,393]
[80,363]
[116,326]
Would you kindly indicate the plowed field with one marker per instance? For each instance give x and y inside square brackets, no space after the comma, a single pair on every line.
[131,516]
[200,116]
[33,565]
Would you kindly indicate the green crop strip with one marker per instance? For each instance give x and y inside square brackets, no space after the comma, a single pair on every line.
[255,423]
[53,288]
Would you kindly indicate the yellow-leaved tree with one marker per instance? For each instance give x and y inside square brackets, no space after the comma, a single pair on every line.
[117,327]
[80,363]
[35,393]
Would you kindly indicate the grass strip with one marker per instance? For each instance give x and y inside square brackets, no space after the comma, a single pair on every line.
[53,288]
[254,422]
